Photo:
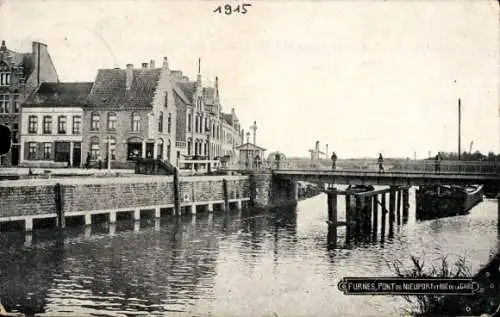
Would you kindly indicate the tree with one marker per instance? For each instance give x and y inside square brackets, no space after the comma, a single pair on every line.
[5,139]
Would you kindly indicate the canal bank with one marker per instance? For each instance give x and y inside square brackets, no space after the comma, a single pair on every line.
[198,265]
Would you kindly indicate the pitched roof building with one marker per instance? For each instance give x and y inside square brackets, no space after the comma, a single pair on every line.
[51,125]
[130,113]
[20,75]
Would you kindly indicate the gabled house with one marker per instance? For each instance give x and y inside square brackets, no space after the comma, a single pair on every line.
[51,125]
[203,131]
[20,75]
[130,113]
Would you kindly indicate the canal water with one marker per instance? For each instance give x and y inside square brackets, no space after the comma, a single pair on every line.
[239,264]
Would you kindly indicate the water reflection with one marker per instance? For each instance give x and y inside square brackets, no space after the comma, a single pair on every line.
[245,263]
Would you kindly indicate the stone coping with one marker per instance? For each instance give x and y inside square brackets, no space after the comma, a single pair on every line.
[113,180]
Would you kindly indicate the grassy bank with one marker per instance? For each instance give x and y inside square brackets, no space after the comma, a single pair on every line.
[486,301]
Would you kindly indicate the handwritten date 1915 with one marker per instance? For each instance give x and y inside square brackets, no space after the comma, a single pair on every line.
[228,9]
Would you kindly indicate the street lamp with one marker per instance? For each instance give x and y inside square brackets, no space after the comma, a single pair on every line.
[108,140]
[248,151]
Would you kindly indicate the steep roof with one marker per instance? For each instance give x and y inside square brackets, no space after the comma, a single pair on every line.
[109,89]
[209,95]
[188,88]
[60,94]
[228,118]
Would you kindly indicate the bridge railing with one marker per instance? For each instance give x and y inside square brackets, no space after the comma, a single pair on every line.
[390,165]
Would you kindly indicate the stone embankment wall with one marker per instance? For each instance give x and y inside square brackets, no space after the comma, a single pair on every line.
[38,197]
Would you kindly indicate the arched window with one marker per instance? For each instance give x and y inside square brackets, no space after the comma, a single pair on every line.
[196,125]
[169,123]
[111,144]
[94,148]
[111,121]
[160,122]
[94,121]
[136,121]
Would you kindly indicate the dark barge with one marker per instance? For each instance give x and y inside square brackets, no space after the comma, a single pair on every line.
[440,201]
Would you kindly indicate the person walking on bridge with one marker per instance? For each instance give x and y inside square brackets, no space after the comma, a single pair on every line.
[334,160]
[437,163]
[380,162]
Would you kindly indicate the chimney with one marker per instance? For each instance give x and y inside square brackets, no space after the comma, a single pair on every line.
[144,65]
[198,77]
[165,62]
[326,152]
[129,76]
[152,63]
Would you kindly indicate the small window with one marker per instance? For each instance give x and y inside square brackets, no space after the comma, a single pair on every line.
[61,125]
[47,151]
[136,122]
[77,125]
[32,124]
[17,103]
[32,147]
[94,121]
[94,148]
[169,123]
[4,103]
[47,124]
[111,121]
[112,148]
[160,122]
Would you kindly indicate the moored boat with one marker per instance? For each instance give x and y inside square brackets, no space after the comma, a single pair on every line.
[438,201]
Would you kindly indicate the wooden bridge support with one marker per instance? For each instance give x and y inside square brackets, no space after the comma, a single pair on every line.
[348,219]
[392,216]
[398,206]
[332,217]
[375,217]
[383,221]
[406,204]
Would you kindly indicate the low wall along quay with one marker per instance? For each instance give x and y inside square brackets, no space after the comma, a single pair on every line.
[28,200]
[59,199]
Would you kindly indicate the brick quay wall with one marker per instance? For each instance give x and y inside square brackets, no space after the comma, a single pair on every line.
[38,196]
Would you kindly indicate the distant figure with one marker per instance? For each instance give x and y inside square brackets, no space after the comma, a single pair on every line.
[99,161]
[380,163]
[30,171]
[437,163]
[257,161]
[334,160]
[87,161]
[277,157]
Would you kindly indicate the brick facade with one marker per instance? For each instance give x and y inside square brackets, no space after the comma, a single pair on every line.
[25,72]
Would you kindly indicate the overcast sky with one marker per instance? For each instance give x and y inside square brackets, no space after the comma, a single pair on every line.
[362,77]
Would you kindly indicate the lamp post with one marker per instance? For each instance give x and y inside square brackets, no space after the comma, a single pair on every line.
[248,151]
[108,140]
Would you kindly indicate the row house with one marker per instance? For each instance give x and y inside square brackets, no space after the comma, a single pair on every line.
[202,130]
[20,75]
[130,113]
[51,125]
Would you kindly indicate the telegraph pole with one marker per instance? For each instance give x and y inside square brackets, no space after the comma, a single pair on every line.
[459,126]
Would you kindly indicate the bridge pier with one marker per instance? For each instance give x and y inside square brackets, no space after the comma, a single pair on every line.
[348,218]
[332,215]
[375,217]
[382,221]
[398,207]
[406,204]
